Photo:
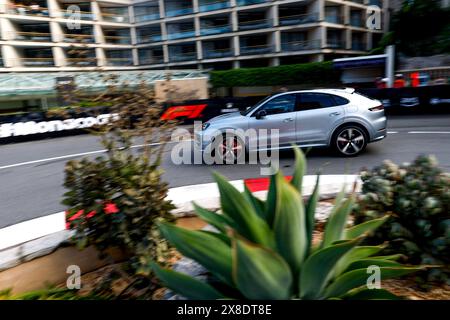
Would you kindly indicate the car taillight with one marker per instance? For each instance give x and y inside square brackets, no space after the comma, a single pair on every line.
[377,108]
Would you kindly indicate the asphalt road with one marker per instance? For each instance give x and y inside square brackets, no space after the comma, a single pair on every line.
[32,173]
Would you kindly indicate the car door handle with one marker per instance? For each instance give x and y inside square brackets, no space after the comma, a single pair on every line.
[334,114]
[288,120]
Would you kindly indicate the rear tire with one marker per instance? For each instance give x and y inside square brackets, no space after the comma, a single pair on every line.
[349,141]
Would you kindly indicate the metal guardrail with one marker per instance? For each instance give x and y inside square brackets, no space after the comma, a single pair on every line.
[301,45]
[259,49]
[255,24]
[209,30]
[217,53]
[298,19]
[211,6]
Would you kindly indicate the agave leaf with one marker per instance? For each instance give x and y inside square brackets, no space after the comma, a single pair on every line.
[365,263]
[185,285]
[357,278]
[393,257]
[271,201]
[260,273]
[221,236]
[317,269]
[310,210]
[218,221]
[300,169]
[246,220]
[207,250]
[371,294]
[355,254]
[365,227]
[290,226]
[335,227]
[258,204]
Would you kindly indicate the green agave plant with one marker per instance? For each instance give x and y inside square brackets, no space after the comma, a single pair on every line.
[264,249]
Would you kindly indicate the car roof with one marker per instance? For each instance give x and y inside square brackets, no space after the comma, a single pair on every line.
[331,91]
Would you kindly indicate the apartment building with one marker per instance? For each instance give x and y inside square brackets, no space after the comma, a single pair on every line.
[68,35]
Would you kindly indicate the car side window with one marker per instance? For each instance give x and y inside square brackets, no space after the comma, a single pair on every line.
[311,101]
[340,101]
[281,104]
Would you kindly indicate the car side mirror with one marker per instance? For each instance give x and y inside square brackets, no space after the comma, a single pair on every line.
[260,114]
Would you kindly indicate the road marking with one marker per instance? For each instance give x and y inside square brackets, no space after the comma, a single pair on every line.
[74,155]
[429,132]
[392,132]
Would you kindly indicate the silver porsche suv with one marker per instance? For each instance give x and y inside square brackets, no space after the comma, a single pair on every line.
[338,118]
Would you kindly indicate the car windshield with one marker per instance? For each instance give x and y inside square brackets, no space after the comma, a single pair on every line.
[248,110]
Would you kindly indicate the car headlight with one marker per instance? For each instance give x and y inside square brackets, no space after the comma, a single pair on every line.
[205,125]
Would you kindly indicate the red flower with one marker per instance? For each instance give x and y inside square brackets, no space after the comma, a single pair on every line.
[67,225]
[111,208]
[76,215]
[91,214]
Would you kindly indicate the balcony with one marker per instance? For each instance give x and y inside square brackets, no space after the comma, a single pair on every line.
[179,11]
[257,49]
[118,39]
[205,6]
[217,53]
[185,56]
[37,62]
[358,1]
[299,19]
[81,62]
[32,36]
[32,10]
[334,19]
[147,38]
[122,61]
[77,38]
[301,45]
[249,2]
[335,44]
[152,60]
[117,18]
[208,30]
[82,15]
[358,46]
[255,24]
[147,17]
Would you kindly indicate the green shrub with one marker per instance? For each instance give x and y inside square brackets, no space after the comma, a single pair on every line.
[417,196]
[317,73]
[263,249]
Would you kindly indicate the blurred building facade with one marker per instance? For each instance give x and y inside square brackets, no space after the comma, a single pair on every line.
[67,35]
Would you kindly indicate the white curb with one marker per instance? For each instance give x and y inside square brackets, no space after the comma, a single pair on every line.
[206,195]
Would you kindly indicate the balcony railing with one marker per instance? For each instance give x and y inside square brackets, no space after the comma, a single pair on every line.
[28,10]
[82,15]
[207,30]
[334,19]
[249,2]
[217,53]
[255,24]
[37,62]
[149,38]
[335,44]
[358,1]
[358,46]
[32,36]
[185,56]
[301,45]
[81,62]
[118,18]
[77,38]
[152,60]
[147,17]
[118,39]
[181,34]
[299,19]
[211,6]
[178,12]
[119,61]
[258,49]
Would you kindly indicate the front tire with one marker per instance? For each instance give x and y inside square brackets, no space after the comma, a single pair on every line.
[349,141]
[228,150]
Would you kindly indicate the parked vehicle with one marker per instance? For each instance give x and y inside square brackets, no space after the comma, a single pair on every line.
[338,118]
